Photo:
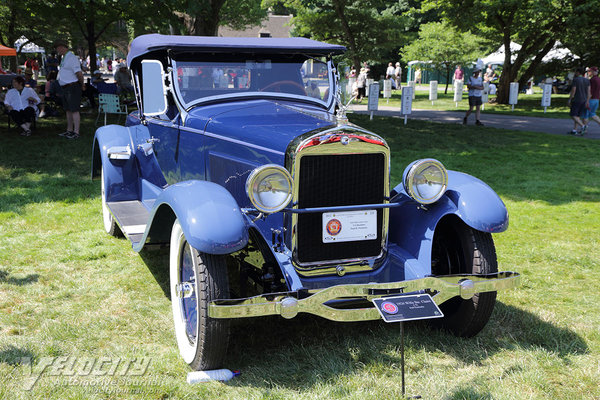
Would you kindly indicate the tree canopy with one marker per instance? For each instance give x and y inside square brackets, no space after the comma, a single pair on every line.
[443,46]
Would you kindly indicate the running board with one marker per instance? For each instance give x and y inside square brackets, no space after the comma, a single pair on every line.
[132,218]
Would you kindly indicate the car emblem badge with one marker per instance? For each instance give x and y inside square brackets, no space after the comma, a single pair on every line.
[345,140]
[334,226]
[389,307]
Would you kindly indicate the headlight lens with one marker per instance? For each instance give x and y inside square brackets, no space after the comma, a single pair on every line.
[426,180]
[269,188]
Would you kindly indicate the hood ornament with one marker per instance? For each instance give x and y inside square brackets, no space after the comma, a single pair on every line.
[341,108]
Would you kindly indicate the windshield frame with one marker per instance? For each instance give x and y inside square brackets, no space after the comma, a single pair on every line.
[187,106]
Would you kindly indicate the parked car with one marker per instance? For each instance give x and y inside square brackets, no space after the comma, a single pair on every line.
[274,204]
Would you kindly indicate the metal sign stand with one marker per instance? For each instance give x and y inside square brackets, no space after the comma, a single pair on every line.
[402,363]
[406,308]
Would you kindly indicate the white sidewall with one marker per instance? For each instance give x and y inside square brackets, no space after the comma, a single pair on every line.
[187,350]
[107,217]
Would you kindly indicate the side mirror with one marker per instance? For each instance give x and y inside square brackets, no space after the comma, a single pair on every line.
[154,99]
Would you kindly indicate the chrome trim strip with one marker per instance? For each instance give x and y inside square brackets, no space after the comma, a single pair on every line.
[254,146]
[443,288]
[340,208]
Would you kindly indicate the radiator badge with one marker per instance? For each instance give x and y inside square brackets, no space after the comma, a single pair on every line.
[389,307]
[334,226]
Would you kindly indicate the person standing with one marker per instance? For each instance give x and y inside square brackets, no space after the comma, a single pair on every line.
[398,76]
[389,73]
[475,85]
[594,97]
[579,101]
[21,103]
[459,74]
[71,81]
[361,84]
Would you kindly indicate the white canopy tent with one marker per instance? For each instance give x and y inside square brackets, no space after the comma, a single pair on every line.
[29,47]
[558,52]
[497,57]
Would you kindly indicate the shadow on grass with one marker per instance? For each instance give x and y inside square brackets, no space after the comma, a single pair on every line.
[308,351]
[45,167]
[157,260]
[26,280]
[14,356]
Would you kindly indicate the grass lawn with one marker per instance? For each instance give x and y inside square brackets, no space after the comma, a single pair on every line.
[69,290]
[528,105]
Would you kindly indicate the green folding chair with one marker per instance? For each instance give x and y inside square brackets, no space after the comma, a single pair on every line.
[110,104]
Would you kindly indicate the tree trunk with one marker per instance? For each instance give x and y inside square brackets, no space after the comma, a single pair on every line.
[447,79]
[529,72]
[91,39]
[339,9]
[508,72]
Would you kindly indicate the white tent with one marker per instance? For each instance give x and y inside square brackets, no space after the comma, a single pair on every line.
[497,57]
[29,47]
[559,52]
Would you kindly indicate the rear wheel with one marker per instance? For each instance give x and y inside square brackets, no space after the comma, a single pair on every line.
[459,249]
[196,279]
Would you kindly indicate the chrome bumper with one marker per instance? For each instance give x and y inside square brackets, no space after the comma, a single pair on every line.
[289,304]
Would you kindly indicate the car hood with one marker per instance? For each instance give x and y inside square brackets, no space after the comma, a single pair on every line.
[267,123]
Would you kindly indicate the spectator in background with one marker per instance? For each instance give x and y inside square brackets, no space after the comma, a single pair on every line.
[389,73]
[398,76]
[361,84]
[459,74]
[352,73]
[594,97]
[579,101]
[123,79]
[71,81]
[29,81]
[418,76]
[51,63]
[35,66]
[475,85]
[21,103]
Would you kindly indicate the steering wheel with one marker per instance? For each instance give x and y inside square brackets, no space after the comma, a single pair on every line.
[279,84]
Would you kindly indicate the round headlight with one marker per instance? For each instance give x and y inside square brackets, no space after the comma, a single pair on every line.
[426,180]
[269,188]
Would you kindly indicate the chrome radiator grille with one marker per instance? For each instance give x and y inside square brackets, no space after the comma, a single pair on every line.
[338,180]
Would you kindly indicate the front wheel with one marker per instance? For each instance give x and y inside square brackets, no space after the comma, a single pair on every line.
[196,279]
[110,225]
[459,249]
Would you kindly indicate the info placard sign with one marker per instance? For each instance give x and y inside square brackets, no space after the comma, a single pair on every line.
[410,307]
[513,95]
[373,103]
[458,91]
[407,96]
[546,94]
[433,90]
[387,89]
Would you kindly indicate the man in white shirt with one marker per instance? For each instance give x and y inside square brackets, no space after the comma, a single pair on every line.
[21,103]
[398,76]
[70,79]
[475,85]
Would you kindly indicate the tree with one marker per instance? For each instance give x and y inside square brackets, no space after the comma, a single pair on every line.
[370,29]
[204,17]
[536,24]
[443,46]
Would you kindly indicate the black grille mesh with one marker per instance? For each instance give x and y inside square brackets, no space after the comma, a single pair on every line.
[338,180]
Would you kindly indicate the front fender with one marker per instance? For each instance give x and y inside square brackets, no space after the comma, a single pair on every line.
[210,218]
[120,175]
[412,227]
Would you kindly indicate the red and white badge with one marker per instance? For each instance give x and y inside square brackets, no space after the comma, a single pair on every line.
[334,226]
[389,307]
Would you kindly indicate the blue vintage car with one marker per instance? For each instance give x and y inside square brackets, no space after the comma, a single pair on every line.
[241,158]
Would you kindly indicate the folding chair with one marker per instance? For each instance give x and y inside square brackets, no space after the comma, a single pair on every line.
[110,104]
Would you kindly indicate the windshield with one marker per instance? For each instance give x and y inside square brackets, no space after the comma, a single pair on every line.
[252,75]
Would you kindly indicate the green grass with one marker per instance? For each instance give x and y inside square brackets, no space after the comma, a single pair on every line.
[528,105]
[68,289]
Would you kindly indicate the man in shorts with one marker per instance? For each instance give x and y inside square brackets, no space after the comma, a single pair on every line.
[595,97]
[579,101]
[475,85]
[71,81]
